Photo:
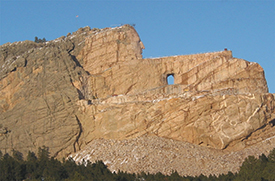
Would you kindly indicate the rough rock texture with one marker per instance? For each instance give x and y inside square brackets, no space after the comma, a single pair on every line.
[37,100]
[94,84]
[209,120]
[155,154]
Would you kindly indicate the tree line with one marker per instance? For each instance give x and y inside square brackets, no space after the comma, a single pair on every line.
[43,167]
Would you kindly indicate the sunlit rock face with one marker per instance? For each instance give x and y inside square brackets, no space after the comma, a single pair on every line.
[94,83]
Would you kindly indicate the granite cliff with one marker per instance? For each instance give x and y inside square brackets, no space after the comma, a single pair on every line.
[94,84]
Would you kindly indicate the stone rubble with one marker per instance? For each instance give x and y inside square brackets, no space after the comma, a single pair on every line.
[152,154]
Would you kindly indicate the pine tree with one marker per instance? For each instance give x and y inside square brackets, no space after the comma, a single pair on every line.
[20,166]
[36,39]
[7,168]
[43,158]
[69,166]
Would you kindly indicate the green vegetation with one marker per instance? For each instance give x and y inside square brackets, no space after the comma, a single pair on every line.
[38,40]
[44,167]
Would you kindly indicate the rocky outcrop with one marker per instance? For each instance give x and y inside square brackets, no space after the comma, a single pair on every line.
[94,84]
[37,100]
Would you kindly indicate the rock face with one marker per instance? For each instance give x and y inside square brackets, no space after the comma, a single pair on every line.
[94,84]
[37,100]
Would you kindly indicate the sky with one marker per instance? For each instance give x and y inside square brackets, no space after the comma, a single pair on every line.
[166,27]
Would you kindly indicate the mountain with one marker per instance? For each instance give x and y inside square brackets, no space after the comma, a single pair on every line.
[93,87]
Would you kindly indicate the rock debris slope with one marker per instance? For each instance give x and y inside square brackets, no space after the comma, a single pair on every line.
[94,84]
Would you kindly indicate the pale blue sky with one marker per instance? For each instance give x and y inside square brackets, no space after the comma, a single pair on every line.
[166,27]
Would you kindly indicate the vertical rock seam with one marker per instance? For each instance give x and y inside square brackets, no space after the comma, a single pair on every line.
[78,135]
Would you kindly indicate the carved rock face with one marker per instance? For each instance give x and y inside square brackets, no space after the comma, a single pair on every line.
[207,120]
[95,84]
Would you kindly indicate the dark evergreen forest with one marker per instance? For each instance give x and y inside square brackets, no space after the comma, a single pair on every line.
[42,167]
